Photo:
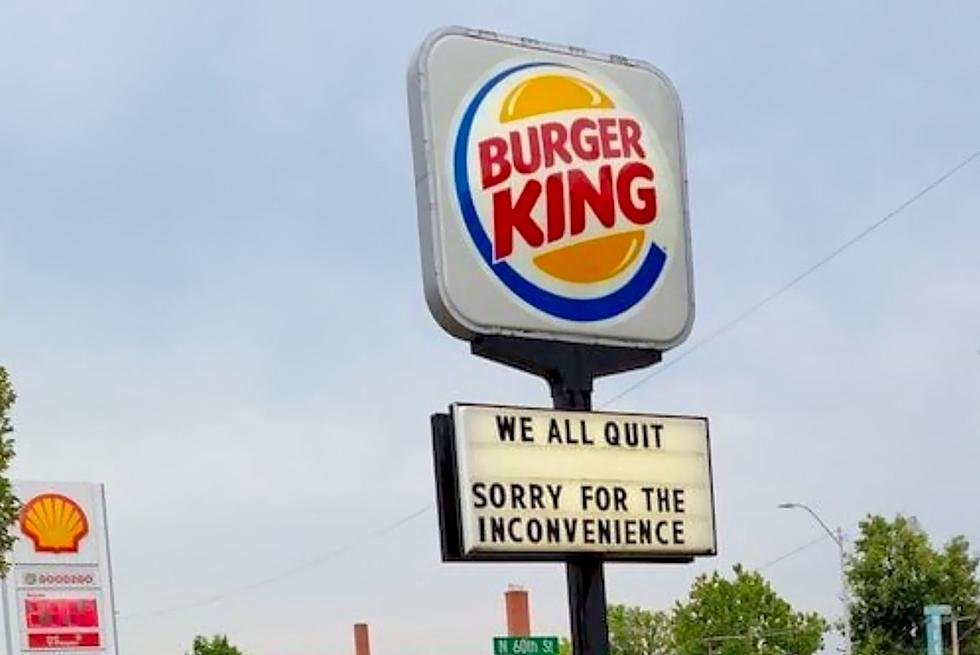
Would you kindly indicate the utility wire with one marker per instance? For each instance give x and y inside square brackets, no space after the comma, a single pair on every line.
[753,635]
[795,551]
[752,309]
[971,629]
[370,536]
[320,559]
[813,268]
[316,561]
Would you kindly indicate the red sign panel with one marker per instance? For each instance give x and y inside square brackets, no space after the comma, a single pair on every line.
[61,613]
[61,640]
[62,623]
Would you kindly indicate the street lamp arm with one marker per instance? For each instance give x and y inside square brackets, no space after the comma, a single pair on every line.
[838,538]
[833,535]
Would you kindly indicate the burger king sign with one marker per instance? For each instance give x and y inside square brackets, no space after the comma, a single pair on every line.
[551,191]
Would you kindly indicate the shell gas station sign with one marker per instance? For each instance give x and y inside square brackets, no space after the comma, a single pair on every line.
[57,597]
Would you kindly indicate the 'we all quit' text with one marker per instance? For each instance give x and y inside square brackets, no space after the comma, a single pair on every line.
[615,433]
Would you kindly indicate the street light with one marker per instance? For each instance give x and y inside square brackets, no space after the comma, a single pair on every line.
[838,537]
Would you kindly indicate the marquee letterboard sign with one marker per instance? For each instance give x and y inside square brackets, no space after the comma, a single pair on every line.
[519,483]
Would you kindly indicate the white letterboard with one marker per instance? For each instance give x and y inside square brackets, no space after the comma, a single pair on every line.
[534,481]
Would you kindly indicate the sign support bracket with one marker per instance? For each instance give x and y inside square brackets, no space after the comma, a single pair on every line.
[570,370]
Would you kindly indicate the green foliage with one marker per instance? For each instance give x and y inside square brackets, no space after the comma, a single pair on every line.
[636,631]
[216,645]
[633,631]
[9,505]
[894,573]
[743,616]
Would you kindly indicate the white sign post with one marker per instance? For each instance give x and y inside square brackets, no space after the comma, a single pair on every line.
[57,597]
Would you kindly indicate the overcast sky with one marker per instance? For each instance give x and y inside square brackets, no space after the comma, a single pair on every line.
[210,297]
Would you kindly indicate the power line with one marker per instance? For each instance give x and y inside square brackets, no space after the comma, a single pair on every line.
[316,561]
[752,309]
[795,551]
[754,635]
[813,268]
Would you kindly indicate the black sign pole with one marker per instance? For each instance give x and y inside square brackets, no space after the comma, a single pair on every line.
[585,576]
[570,370]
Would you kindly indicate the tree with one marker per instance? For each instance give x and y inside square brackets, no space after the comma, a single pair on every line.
[633,631]
[743,616]
[9,505]
[894,573]
[216,645]
[636,631]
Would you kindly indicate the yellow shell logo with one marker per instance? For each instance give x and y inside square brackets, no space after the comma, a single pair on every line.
[55,523]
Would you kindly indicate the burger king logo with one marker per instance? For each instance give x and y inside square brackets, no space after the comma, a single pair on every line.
[565,191]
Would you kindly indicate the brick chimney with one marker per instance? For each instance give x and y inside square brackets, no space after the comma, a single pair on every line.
[518,612]
[362,645]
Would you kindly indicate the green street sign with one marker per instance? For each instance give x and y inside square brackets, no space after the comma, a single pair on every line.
[525,645]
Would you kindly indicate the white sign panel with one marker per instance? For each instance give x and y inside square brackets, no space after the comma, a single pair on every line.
[551,192]
[57,597]
[560,482]
[42,576]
